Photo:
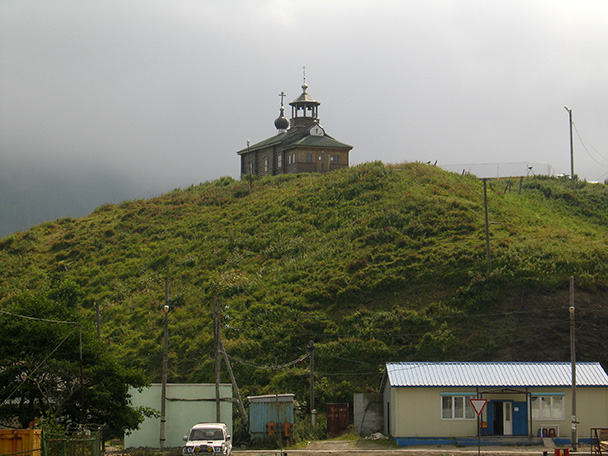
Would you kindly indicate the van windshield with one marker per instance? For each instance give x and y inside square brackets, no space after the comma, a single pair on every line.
[206,434]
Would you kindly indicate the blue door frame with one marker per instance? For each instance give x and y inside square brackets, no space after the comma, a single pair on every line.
[519,417]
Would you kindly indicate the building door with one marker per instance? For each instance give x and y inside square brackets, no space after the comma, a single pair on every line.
[495,418]
[500,418]
[520,418]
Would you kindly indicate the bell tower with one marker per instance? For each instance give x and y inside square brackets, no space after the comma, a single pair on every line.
[304,109]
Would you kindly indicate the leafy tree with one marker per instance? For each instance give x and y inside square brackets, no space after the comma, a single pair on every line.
[42,339]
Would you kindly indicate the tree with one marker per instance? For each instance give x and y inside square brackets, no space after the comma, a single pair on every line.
[52,361]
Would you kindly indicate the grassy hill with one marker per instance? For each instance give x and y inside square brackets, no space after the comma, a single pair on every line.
[374,263]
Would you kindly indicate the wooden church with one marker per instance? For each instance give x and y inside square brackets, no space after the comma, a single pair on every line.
[301,144]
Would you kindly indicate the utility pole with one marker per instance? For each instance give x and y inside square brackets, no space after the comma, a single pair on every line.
[571,146]
[313,411]
[485,205]
[218,359]
[573,364]
[163,393]
[82,415]
[234,385]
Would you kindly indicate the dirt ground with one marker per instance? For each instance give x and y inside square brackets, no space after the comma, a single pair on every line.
[367,448]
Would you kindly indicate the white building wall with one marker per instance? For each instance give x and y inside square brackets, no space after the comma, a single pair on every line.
[420,414]
[181,415]
[416,412]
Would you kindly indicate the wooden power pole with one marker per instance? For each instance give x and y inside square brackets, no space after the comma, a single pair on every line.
[485,205]
[163,391]
[218,359]
[313,411]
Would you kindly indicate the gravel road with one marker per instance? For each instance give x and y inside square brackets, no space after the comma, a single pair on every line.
[366,448]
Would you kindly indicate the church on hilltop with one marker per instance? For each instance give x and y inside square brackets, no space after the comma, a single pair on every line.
[301,144]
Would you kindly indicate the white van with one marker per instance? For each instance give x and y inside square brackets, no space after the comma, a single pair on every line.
[208,438]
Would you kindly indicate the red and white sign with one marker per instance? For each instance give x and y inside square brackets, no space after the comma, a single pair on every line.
[478,405]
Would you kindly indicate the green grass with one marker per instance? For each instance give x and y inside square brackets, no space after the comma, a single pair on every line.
[374,263]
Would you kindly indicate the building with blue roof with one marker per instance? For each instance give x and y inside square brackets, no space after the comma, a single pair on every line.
[432,400]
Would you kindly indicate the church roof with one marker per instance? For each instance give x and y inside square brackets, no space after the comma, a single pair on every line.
[319,141]
[308,141]
[273,140]
[304,98]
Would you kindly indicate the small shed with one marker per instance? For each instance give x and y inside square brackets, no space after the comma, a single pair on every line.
[271,416]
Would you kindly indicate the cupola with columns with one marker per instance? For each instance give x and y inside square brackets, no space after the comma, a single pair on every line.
[304,109]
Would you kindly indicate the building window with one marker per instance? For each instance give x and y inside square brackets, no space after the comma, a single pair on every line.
[457,408]
[309,158]
[289,159]
[280,160]
[336,159]
[294,157]
[265,164]
[547,407]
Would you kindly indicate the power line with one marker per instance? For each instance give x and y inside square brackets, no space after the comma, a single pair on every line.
[46,320]
[28,375]
[329,374]
[275,367]
[26,317]
[346,359]
[587,150]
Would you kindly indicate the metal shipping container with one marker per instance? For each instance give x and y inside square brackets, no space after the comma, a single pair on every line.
[27,441]
[271,416]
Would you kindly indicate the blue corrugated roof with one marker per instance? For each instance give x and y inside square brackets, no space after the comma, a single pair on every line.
[493,374]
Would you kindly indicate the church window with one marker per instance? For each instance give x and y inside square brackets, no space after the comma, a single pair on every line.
[265,164]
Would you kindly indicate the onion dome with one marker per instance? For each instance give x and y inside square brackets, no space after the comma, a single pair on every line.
[281,123]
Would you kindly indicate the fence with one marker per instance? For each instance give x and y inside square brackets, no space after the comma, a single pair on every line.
[78,445]
[34,442]
[494,170]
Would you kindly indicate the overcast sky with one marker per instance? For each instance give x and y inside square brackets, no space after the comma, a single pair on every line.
[163,93]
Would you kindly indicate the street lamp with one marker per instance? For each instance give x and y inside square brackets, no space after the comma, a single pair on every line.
[571,148]
[573,364]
